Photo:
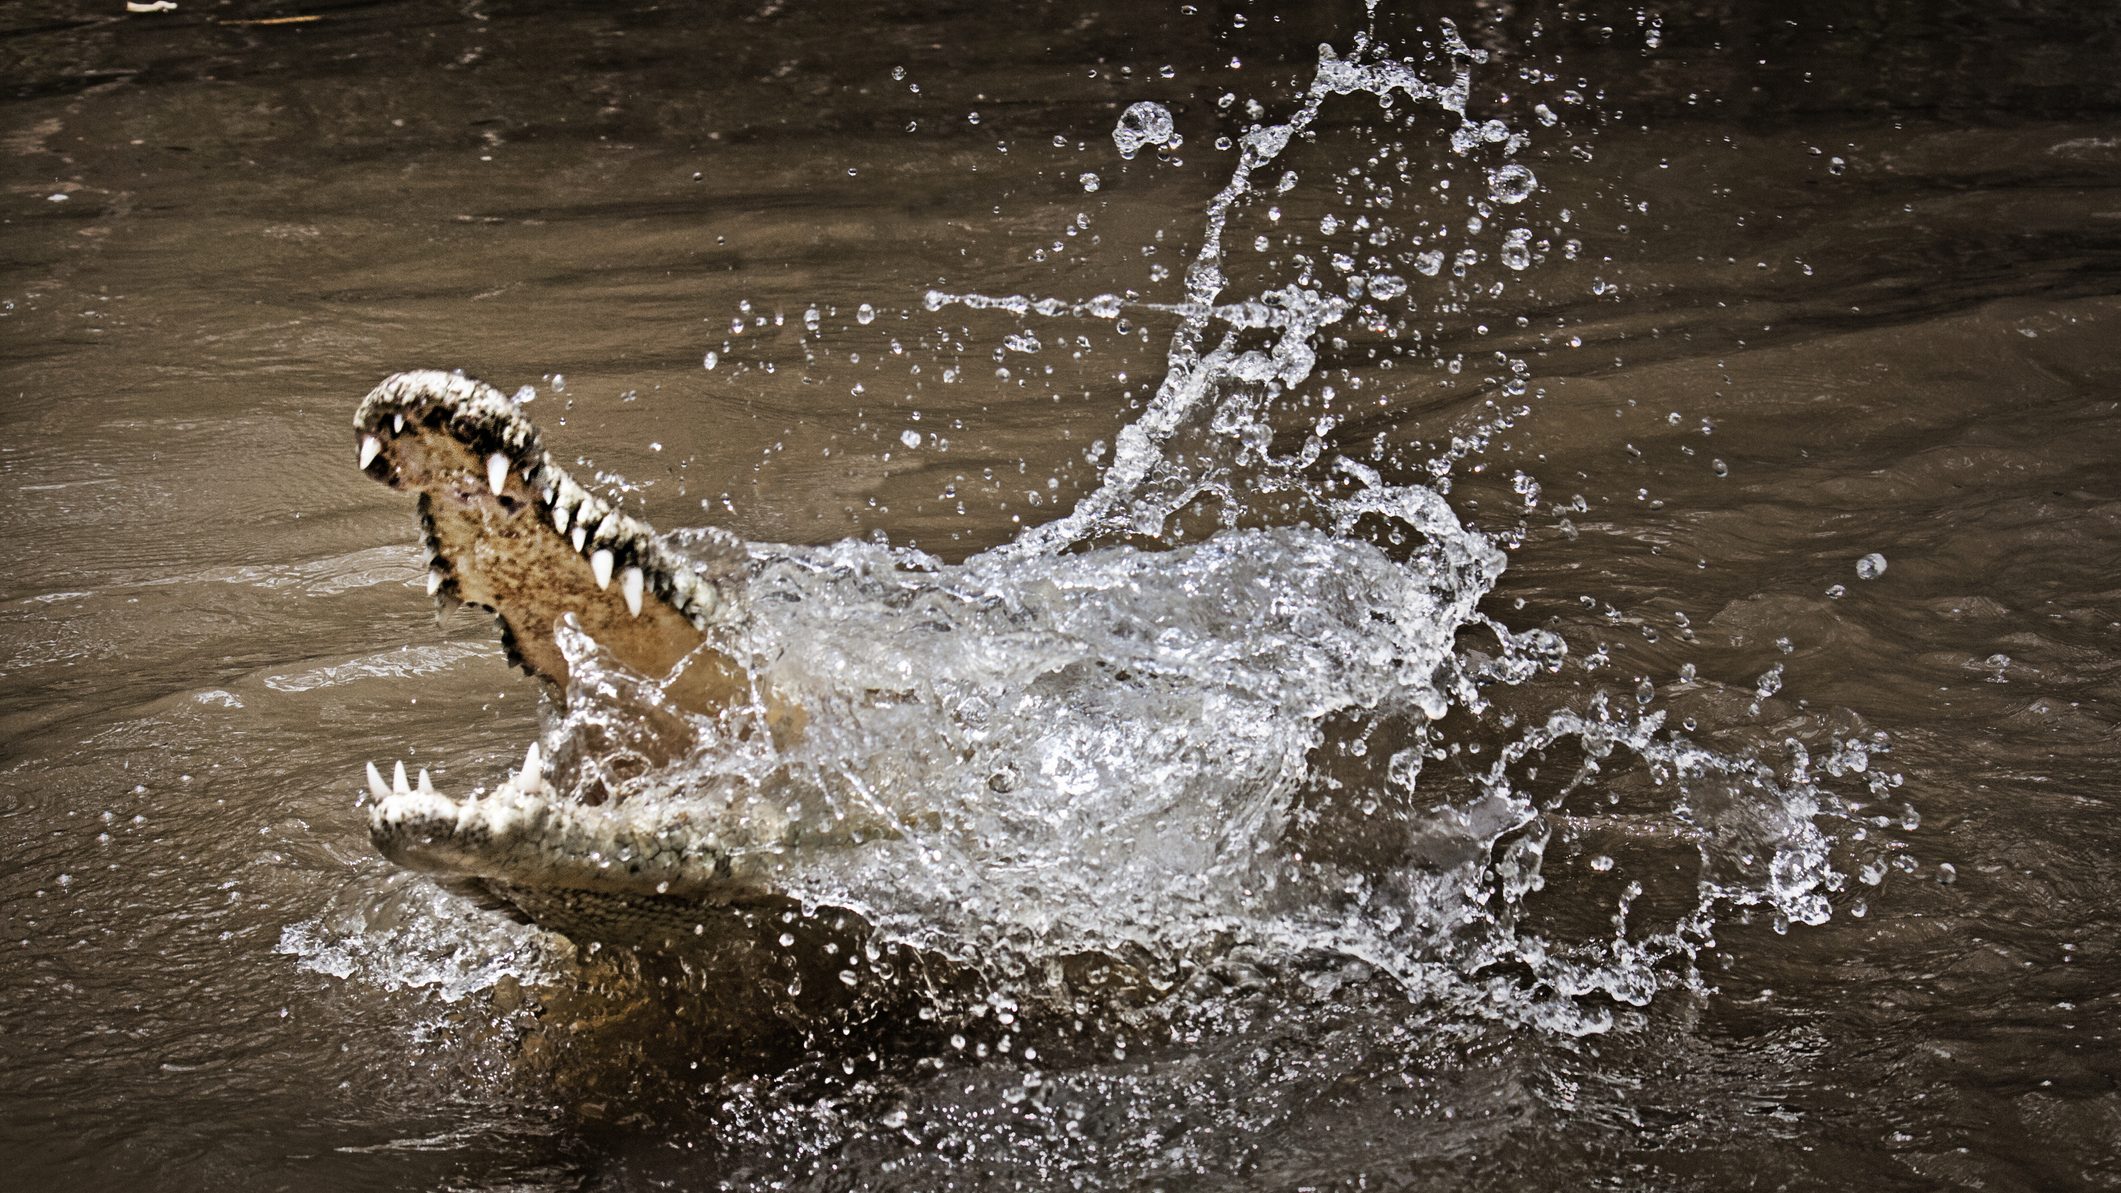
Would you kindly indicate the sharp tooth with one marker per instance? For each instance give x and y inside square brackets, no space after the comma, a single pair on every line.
[581,535]
[561,515]
[375,783]
[427,785]
[607,527]
[533,765]
[397,780]
[600,563]
[496,472]
[370,445]
[630,584]
[397,423]
[434,582]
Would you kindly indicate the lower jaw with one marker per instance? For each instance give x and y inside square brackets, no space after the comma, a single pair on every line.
[526,834]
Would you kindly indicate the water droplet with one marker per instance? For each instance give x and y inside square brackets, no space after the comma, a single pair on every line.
[865,314]
[1512,183]
[1517,249]
[1090,181]
[1870,567]
[1143,123]
[910,437]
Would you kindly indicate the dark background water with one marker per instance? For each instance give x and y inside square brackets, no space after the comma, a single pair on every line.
[1866,257]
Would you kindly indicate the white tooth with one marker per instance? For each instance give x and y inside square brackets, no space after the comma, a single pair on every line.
[630,584]
[561,515]
[581,534]
[496,472]
[608,526]
[375,783]
[434,582]
[370,445]
[600,563]
[427,785]
[397,780]
[533,765]
[397,423]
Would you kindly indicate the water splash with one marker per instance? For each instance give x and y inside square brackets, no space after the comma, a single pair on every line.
[1231,382]
[1266,732]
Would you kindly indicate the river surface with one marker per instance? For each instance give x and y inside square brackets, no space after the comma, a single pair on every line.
[1607,520]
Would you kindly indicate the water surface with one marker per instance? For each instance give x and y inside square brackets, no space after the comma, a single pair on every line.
[1800,286]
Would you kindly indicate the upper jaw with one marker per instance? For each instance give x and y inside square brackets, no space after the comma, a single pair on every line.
[450,435]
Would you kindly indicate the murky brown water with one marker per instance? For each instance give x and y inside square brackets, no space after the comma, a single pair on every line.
[1848,282]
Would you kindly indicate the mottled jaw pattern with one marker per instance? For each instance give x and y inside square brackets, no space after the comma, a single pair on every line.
[508,530]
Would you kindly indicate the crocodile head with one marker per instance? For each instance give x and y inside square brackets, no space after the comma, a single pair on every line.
[508,530]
